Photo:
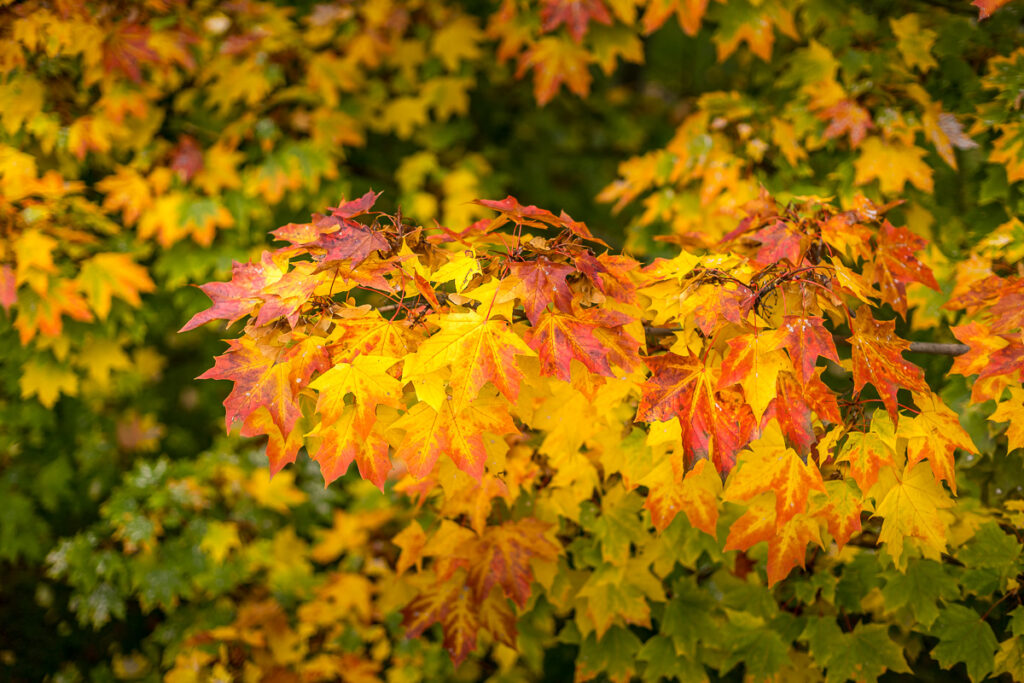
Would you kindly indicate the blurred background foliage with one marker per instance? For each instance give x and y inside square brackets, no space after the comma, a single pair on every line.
[144,146]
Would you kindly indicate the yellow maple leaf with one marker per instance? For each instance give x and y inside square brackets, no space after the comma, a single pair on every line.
[112,274]
[1012,410]
[219,540]
[914,42]
[554,61]
[892,164]
[456,41]
[912,509]
[47,382]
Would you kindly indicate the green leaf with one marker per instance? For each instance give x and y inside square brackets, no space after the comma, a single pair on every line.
[1010,658]
[924,583]
[964,637]
[863,654]
[615,654]
[687,616]
[663,663]
[747,639]
[992,548]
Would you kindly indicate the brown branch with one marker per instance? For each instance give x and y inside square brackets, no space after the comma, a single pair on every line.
[939,349]
[934,348]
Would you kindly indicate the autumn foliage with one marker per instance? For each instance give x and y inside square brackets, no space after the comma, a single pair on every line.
[770,426]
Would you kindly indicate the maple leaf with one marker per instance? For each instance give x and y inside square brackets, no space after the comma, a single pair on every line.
[847,117]
[343,440]
[914,42]
[450,604]
[794,403]
[236,299]
[877,359]
[556,61]
[713,425]
[788,548]
[806,340]
[1012,410]
[106,274]
[771,467]
[366,378]
[754,362]
[689,12]
[893,164]
[511,210]
[912,510]
[429,433]
[575,14]
[895,265]
[868,452]
[264,397]
[541,283]
[593,336]
[842,512]
[934,434]
[987,8]
[477,350]
[610,274]
[127,48]
[755,525]
[696,496]
[505,555]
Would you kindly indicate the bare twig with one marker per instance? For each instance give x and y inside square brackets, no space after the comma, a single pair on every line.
[939,349]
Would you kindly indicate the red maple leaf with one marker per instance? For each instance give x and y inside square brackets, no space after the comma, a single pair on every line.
[127,48]
[543,282]
[512,210]
[575,14]
[806,340]
[595,337]
[236,299]
[877,358]
[847,117]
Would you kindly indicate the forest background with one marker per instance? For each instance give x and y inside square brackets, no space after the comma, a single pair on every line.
[708,456]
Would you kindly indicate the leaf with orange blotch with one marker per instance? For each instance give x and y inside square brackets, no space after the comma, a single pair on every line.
[45,315]
[236,299]
[610,274]
[1011,410]
[987,8]
[877,359]
[794,403]
[575,14]
[506,552]
[128,191]
[847,117]
[754,362]
[106,275]
[555,61]
[696,496]
[806,340]
[770,467]
[595,337]
[282,445]
[268,379]
[912,510]
[713,425]
[755,525]
[342,440]
[449,603]
[868,452]
[982,345]
[542,282]
[286,296]
[893,164]
[895,265]
[460,436]
[477,350]
[841,512]
[511,210]
[788,548]
[689,12]
[367,379]
[364,331]
[935,434]
[713,306]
